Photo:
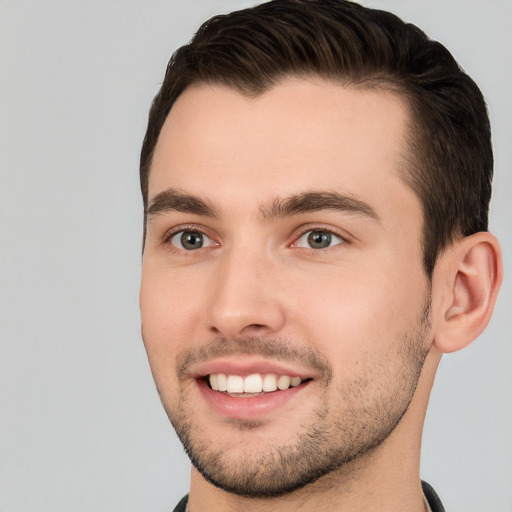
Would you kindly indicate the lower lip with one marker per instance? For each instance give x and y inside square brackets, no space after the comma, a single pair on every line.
[249,407]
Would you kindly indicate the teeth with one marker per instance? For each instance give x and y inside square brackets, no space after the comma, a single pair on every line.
[295,381]
[235,384]
[283,382]
[214,382]
[254,383]
[222,382]
[269,382]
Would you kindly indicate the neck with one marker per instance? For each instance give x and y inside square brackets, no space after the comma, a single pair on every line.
[385,478]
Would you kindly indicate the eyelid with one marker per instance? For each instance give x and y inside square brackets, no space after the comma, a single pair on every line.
[175,230]
[345,237]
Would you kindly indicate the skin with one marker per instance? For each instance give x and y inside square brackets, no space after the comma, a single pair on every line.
[257,294]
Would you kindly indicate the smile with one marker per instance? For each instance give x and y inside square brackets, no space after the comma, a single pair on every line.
[251,389]
[251,384]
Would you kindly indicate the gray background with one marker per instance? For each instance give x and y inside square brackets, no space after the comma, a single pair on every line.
[81,426]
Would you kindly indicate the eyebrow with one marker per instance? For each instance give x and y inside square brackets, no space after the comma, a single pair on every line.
[309,202]
[297,204]
[174,200]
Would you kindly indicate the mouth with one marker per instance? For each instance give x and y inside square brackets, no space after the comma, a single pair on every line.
[255,384]
[249,389]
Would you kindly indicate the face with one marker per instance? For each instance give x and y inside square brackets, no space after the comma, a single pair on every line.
[285,309]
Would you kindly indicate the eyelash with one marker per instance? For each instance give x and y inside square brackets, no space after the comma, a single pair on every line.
[167,240]
[343,237]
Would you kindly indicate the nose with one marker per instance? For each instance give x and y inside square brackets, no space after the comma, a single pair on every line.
[246,299]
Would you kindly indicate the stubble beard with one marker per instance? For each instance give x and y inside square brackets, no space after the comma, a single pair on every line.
[335,434]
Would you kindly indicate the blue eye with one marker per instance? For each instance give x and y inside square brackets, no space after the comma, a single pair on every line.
[190,240]
[318,239]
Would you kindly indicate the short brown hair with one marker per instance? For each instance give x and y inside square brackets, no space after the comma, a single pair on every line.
[253,49]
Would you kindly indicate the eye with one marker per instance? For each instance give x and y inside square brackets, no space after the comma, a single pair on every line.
[190,240]
[318,239]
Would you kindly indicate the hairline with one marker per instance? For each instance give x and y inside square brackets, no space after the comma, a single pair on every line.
[377,82]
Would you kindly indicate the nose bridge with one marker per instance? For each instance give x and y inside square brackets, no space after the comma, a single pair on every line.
[244,301]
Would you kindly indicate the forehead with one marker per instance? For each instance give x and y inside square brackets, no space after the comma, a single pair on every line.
[300,135]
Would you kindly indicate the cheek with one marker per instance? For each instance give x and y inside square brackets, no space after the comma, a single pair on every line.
[168,303]
[358,317]
[162,320]
[168,321]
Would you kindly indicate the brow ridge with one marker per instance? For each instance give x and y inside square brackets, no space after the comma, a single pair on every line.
[175,200]
[297,204]
[308,202]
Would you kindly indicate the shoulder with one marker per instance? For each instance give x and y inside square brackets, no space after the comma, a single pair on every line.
[432,498]
[182,505]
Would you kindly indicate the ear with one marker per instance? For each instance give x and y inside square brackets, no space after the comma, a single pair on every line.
[468,277]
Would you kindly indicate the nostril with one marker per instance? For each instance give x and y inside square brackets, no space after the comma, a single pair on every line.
[236,318]
[255,330]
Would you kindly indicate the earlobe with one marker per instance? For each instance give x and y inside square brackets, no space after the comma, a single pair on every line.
[472,274]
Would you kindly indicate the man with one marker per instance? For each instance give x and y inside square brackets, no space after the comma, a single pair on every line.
[316,178]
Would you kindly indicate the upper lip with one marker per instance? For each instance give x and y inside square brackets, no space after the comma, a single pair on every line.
[248,366]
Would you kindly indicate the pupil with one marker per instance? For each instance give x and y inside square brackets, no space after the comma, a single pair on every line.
[319,239]
[191,240]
